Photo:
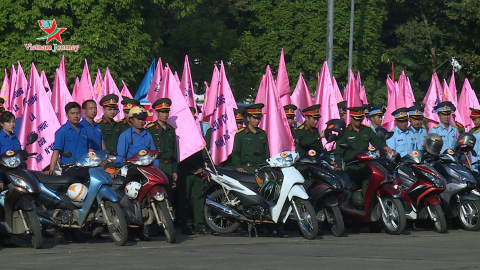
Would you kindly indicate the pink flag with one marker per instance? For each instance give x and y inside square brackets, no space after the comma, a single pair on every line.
[325,96]
[432,98]
[205,95]
[189,139]
[274,121]
[111,88]
[282,83]
[224,126]
[60,97]
[352,95]
[62,69]
[450,93]
[453,89]
[209,107]
[39,117]
[388,120]
[46,85]
[361,89]
[262,92]
[405,97]
[409,97]
[467,100]
[301,98]
[338,94]
[176,77]
[11,90]
[75,87]
[186,85]
[98,94]
[152,94]
[5,87]
[125,92]
[85,89]
[20,93]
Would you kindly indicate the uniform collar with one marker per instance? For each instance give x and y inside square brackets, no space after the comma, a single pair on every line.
[247,130]
[70,126]
[442,127]
[3,134]
[350,127]
[85,122]
[144,132]
[400,131]
[308,128]
[414,130]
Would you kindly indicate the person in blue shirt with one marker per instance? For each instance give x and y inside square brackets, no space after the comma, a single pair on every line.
[135,138]
[8,139]
[375,115]
[448,132]
[71,137]
[401,141]
[94,131]
[475,116]
[419,133]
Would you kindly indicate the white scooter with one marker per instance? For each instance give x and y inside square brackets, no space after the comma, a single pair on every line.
[234,197]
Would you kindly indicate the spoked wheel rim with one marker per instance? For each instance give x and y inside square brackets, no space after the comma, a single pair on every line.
[469,214]
[218,220]
[392,218]
[435,218]
[306,220]
[115,228]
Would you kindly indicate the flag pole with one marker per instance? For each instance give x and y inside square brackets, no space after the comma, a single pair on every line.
[218,177]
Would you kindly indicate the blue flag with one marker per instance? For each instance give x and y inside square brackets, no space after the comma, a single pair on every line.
[147,80]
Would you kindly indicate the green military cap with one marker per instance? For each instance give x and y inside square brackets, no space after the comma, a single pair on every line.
[342,107]
[238,114]
[109,101]
[474,113]
[358,113]
[129,103]
[312,111]
[255,110]
[290,110]
[162,104]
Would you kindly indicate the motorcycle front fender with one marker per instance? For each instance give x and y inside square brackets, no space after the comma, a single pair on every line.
[297,191]
[106,193]
[154,191]
[330,201]
[468,197]
[388,190]
[25,203]
[433,200]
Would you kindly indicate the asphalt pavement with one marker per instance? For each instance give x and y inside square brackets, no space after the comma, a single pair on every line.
[415,249]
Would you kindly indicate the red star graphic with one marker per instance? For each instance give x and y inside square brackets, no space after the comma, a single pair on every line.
[51,30]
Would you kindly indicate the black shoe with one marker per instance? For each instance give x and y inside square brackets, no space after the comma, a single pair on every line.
[187,231]
[277,234]
[204,232]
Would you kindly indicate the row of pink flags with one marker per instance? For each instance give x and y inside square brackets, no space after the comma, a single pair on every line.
[43,111]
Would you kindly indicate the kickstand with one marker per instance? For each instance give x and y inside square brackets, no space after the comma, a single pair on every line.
[250,227]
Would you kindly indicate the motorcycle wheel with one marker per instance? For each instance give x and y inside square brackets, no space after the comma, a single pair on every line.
[395,222]
[438,218]
[335,220]
[306,218]
[469,215]
[217,222]
[166,219]
[35,229]
[118,229]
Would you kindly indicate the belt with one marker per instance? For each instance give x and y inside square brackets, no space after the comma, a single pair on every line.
[166,161]
[248,164]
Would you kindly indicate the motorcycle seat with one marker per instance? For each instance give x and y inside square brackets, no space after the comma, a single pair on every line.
[241,177]
[52,179]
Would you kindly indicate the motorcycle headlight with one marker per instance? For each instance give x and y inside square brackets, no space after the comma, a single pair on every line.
[144,160]
[12,162]
[92,161]
[286,161]
[389,178]
[435,180]
[20,182]
[374,154]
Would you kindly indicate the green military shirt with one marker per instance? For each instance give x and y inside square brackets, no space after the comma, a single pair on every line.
[167,145]
[246,142]
[123,125]
[358,140]
[111,132]
[472,131]
[311,140]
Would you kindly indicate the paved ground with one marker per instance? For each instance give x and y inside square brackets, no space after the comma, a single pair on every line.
[415,249]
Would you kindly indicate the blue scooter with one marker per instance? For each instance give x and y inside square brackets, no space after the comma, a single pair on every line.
[100,205]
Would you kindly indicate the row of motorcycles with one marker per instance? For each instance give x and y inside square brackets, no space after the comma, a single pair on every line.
[424,185]
[33,201]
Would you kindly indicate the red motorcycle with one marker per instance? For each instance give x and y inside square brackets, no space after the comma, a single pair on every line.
[381,200]
[142,193]
[420,187]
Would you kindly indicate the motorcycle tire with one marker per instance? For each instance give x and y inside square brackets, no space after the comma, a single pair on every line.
[35,228]
[438,218]
[166,220]
[335,220]
[217,222]
[395,210]
[469,215]
[306,218]
[118,230]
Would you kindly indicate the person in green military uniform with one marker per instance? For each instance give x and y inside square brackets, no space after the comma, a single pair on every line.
[248,140]
[290,113]
[127,103]
[189,188]
[358,136]
[110,128]
[342,109]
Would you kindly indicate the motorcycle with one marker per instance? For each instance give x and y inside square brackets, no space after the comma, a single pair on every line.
[234,197]
[150,203]
[382,200]
[18,209]
[99,207]
[420,186]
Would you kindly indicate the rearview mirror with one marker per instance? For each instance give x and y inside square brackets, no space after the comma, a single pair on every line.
[67,154]
[389,135]
[32,138]
[345,145]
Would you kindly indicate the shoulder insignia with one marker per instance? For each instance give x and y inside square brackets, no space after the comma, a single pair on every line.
[171,126]
[367,126]
[150,125]
[393,130]
[240,130]
[301,127]
[476,131]
[436,126]
[118,121]
[99,121]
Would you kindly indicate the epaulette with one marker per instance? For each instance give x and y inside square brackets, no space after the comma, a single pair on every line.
[436,126]
[150,125]
[118,121]
[99,120]
[366,126]
[171,126]
[393,130]
[476,131]
[301,127]
[458,125]
[240,130]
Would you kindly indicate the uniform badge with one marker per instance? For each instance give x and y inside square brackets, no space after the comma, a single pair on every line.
[92,154]
[10,153]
